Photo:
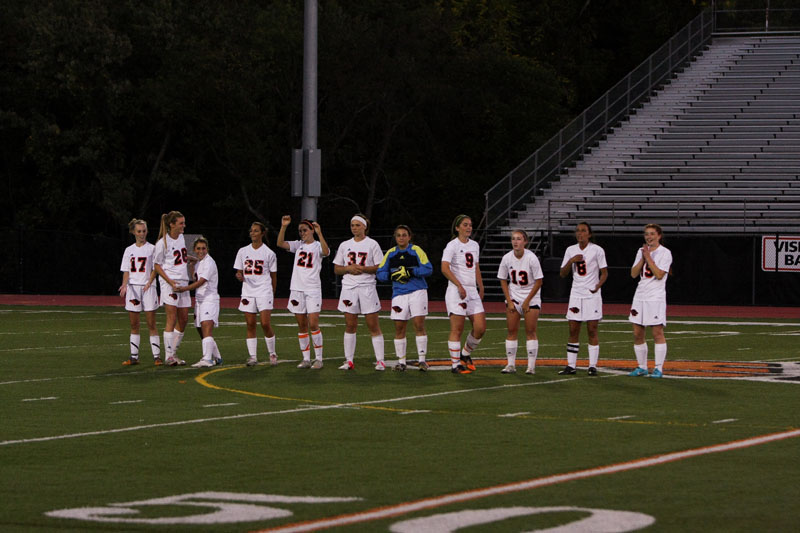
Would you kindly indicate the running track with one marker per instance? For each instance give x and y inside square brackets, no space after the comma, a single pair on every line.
[713,311]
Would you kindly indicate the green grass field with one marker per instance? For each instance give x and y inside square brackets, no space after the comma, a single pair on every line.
[89,445]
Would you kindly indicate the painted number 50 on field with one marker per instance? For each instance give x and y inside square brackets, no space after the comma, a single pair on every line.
[231,507]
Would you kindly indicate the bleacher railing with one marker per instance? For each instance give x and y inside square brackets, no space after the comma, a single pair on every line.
[758,16]
[546,163]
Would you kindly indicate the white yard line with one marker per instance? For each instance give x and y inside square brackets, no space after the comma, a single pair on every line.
[302,409]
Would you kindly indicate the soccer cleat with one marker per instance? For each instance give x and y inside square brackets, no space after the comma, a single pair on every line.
[130,361]
[509,369]
[157,361]
[656,374]
[423,366]
[568,370]
[273,359]
[317,364]
[380,366]
[461,369]
[638,371]
[218,360]
[348,365]
[171,361]
[467,362]
[592,371]
[400,367]
[530,370]
[203,363]
[305,363]
[252,361]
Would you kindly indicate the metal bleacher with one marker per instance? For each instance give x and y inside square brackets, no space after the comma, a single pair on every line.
[716,151]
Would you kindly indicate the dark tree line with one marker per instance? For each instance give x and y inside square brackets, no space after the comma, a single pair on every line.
[114,109]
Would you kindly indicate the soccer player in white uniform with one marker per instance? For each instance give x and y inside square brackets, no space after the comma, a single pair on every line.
[460,265]
[586,262]
[305,298]
[521,276]
[649,308]
[357,261]
[256,267]
[206,308]
[171,263]
[139,291]
[407,266]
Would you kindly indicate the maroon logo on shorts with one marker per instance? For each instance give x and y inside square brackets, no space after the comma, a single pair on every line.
[634,312]
[173,296]
[135,301]
[245,301]
[462,305]
[348,303]
[295,302]
[397,309]
[574,310]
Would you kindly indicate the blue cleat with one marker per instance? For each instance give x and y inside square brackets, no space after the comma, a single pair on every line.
[656,374]
[639,372]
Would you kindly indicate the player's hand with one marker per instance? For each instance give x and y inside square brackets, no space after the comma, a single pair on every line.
[239,275]
[317,228]
[577,258]
[462,292]
[510,307]
[286,220]
[122,290]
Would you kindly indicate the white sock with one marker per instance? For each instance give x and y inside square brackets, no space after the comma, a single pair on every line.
[177,337]
[377,346]
[270,344]
[511,352]
[532,347]
[305,346]
[572,354]
[349,346]
[660,355]
[470,345]
[316,336]
[454,347]
[400,349]
[155,345]
[168,349]
[594,355]
[135,339]
[422,346]
[208,348]
[252,347]
[641,354]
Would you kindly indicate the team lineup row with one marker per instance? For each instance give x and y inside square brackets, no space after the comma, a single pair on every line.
[361,263]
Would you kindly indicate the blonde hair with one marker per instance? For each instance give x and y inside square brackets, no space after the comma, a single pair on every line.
[167,219]
[135,222]
[200,239]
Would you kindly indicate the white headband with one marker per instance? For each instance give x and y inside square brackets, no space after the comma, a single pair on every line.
[359,219]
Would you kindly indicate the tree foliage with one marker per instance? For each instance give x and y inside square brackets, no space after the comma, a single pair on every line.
[110,110]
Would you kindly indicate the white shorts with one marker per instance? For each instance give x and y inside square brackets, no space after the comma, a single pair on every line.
[178,299]
[206,310]
[648,313]
[304,303]
[137,302]
[585,309]
[362,299]
[256,304]
[518,307]
[471,305]
[406,306]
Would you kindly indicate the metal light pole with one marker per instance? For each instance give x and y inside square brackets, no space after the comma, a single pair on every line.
[307,161]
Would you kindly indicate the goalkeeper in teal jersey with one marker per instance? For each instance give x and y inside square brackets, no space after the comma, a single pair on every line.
[406,266]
